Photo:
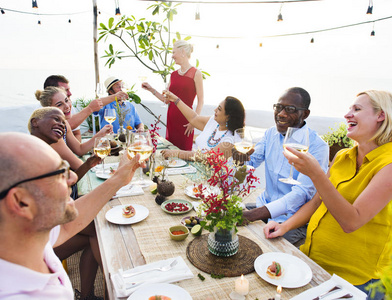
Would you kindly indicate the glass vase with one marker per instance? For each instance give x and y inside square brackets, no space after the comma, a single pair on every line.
[122,135]
[223,242]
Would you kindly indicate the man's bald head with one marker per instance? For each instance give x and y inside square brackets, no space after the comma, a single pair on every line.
[22,156]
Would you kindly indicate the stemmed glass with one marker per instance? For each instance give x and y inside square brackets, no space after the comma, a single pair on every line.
[102,149]
[299,140]
[246,143]
[139,142]
[100,92]
[110,115]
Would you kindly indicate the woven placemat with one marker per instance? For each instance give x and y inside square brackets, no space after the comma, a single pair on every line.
[240,263]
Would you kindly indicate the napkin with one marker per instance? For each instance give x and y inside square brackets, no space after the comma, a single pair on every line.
[179,272]
[182,170]
[129,190]
[326,286]
[107,167]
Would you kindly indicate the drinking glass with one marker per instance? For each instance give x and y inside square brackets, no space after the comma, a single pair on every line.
[139,142]
[245,144]
[299,140]
[110,115]
[102,149]
[100,92]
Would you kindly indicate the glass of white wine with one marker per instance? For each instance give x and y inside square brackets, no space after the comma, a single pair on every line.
[139,142]
[245,144]
[299,140]
[102,149]
[110,115]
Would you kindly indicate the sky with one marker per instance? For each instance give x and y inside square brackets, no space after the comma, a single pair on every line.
[227,38]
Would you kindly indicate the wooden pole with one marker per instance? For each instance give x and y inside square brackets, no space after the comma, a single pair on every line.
[95,34]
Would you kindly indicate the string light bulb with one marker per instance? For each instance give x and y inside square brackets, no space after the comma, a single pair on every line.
[312,41]
[370,8]
[39,22]
[116,2]
[35,4]
[373,33]
[2,11]
[69,20]
[197,15]
[280,17]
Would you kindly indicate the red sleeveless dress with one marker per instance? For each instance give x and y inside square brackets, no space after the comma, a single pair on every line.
[184,87]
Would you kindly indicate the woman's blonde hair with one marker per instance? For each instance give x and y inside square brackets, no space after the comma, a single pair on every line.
[45,96]
[181,44]
[381,102]
[41,113]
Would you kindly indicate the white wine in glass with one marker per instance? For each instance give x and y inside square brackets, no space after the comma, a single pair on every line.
[110,115]
[100,92]
[102,149]
[246,143]
[297,139]
[139,142]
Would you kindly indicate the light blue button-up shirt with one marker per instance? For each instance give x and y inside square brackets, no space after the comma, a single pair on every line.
[282,199]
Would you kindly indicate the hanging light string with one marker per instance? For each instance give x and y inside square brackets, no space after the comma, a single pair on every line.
[35,13]
[290,34]
[233,2]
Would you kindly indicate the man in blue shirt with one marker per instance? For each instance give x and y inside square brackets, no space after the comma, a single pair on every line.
[113,86]
[279,201]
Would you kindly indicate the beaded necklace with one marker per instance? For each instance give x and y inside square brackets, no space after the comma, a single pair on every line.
[212,142]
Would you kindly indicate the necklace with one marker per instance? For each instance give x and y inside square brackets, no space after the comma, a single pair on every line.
[182,73]
[212,142]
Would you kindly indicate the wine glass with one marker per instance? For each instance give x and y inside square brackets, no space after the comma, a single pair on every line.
[100,91]
[110,115]
[139,142]
[102,149]
[246,143]
[299,140]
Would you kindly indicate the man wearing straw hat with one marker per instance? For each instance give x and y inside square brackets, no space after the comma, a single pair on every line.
[130,116]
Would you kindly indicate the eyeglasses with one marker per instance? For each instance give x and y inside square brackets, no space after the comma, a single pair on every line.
[290,109]
[63,169]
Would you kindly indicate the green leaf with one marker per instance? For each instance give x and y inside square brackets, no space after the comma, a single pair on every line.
[103,26]
[111,20]
[187,38]
[150,55]
[111,48]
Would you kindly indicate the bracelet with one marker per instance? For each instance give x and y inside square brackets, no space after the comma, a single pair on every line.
[155,91]
[176,102]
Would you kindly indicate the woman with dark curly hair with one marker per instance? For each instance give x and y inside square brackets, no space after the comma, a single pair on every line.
[217,130]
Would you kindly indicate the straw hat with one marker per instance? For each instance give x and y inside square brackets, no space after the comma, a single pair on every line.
[110,82]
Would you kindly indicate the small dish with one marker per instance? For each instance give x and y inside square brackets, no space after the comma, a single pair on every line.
[178,237]
[176,206]
[183,221]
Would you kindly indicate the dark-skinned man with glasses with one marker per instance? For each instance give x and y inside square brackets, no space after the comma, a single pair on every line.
[280,200]
[37,214]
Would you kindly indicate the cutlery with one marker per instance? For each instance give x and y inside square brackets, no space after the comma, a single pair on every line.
[344,297]
[163,269]
[333,290]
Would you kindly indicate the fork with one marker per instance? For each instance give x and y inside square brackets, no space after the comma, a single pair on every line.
[163,269]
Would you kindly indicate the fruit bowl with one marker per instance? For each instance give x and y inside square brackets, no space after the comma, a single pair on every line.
[178,237]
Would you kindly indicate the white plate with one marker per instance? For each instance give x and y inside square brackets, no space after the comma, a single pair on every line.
[107,174]
[115,214]
[165,289]
[209,190]
[176,163]
[296,273]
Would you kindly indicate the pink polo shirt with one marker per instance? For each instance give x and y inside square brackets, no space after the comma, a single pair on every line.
[18,282]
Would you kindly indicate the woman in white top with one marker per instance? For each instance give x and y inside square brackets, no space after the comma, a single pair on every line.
[217,131]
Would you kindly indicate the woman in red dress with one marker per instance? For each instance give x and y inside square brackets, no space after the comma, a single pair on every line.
[186,83]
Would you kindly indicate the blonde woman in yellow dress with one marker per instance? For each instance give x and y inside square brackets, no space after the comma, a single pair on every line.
[350,227]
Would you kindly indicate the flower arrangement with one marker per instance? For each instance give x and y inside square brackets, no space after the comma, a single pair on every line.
[154,134]
[224,210]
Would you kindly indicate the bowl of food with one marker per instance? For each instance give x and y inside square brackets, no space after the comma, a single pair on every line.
[178,232]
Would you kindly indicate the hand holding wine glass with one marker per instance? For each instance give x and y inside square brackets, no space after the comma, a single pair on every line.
[102,149]
[100,92]
[245,144]
[299,140]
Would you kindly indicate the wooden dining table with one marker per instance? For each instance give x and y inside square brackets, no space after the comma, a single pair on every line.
[128,246]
